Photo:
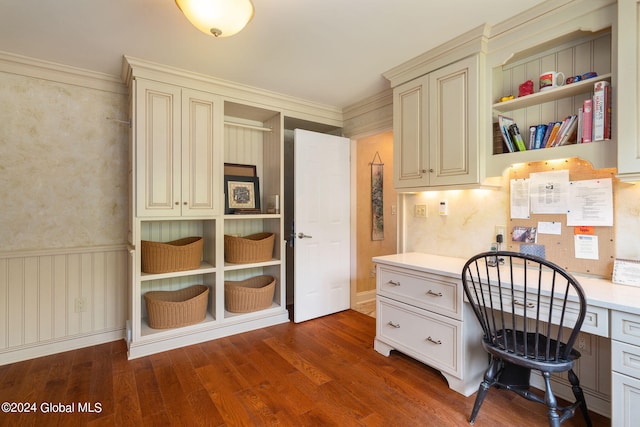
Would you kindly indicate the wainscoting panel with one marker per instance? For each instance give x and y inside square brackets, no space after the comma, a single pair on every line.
[57,300]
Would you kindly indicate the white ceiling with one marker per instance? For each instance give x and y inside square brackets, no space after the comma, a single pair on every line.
[328,51]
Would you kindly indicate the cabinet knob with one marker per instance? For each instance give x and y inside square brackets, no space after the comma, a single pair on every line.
[431,170]
[177,203]
[184,203]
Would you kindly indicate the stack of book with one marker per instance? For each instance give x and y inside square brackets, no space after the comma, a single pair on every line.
[592,123]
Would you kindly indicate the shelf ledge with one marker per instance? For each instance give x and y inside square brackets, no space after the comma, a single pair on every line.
[550,95]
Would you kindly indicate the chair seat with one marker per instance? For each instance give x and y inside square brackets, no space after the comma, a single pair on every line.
[537,354]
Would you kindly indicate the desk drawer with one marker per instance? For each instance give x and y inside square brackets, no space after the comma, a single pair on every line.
[625,358]
[424,290]
[596,319]
[433,339]
[625,327]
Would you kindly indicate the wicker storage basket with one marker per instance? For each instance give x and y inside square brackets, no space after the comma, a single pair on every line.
[253,248]
[178,255]
[249,295]
[172,309]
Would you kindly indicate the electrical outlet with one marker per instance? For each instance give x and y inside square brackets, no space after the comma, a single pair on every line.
[584,344]
[81,305]
[500,229]
[420,211]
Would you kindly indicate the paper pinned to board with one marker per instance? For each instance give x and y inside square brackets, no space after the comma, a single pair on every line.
[549,192]
[549,227]
[519,198]
[591,202]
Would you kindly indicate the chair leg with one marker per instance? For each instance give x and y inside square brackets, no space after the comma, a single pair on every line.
[579,395]
[489,380]
[550,400]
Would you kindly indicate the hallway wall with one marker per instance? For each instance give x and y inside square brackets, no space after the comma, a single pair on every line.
[367,248]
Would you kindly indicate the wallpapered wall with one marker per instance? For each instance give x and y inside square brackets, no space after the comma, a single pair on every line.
[366,247]
[63,169]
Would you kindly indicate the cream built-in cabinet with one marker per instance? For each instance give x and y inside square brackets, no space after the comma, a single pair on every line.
[175,151]
[435,116]
[436,127]
[446,101]
[628,99]
[410,133]
[625,366]
[185,127]
[422,313]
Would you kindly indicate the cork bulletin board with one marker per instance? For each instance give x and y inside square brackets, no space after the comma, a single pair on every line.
[560,249]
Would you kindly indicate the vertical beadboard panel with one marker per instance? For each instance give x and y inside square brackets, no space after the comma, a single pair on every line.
[4,303]
[74,276]
[15,305]
[243,146]
[45,298]
[30,299]
[98,293]
[38,294]
[59,276]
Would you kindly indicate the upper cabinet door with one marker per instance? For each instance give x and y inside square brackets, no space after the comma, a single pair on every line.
[453,124]
[410,133]
[628,99]
[158,152]
[202,121]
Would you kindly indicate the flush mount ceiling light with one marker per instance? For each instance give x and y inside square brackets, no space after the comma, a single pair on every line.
[220,18]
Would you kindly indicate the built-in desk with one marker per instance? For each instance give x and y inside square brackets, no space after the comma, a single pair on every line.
[418,293]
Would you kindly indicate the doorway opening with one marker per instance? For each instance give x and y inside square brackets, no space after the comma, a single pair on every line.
[363,149]
[290,124]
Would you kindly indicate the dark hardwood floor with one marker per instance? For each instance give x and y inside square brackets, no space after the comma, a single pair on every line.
[322,372]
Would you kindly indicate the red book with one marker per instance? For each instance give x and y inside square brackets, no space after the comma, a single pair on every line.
[587,120]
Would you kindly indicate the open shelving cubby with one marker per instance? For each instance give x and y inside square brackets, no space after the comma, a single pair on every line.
[573,54]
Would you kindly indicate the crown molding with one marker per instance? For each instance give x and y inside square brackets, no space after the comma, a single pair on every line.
[51,71]
[133,68]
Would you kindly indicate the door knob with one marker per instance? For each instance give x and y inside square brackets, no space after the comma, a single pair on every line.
[302,236]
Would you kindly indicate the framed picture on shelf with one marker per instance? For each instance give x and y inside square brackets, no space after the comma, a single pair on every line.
[242,194]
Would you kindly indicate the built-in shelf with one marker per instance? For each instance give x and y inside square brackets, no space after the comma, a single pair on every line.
[147,331]
[205,268]
[231,267]
[537,98]
[253,216]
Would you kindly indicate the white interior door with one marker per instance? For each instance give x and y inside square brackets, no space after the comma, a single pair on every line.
[321,246]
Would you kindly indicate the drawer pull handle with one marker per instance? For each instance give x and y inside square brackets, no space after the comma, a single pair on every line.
[434,294]
[393,325]
[392,283]
[528,305]
[434,341]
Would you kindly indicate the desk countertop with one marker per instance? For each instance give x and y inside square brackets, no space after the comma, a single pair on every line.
[600,292]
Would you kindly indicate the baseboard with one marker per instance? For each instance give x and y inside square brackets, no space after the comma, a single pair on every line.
[18,354]
[364,297]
